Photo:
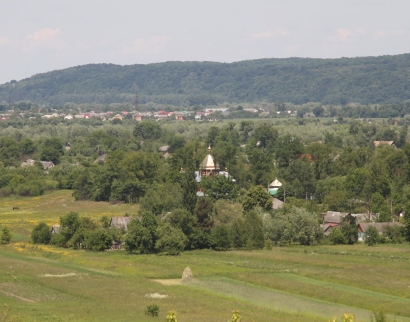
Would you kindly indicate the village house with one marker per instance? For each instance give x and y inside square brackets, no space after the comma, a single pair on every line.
[164,150]
[309,115]
[162,114]
[55,229]
[118,117]
[116,245]
[378,143]
[332,219]
[101,158]
[46,164]
[380,226]
[120,222]
[274,187]
[251,110]
[49,116]
[138,117]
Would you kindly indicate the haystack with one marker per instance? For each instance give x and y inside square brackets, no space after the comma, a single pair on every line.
[187,275]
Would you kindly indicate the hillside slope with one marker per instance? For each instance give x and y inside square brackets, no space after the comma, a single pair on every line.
[383,79]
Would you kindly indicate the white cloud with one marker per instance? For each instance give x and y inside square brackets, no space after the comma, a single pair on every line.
[394,33]
[346,35]
[343,34]
[152,45]
[4,41]
[47,37]
[280,32]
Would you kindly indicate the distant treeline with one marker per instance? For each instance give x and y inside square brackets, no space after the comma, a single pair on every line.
[367,80]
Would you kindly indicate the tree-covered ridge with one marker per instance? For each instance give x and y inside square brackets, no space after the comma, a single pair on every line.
[365,80]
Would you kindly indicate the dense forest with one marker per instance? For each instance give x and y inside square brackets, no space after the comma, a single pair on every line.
[367,80]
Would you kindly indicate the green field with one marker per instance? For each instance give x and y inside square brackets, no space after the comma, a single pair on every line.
[49,207]
[44,283]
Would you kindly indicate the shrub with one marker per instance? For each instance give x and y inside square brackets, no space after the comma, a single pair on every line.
[152,310]
[5,236]
[58,240]
[221,238]
[345,318]
[31,188]
[172,317]
[378,316]
[305,227]
[337,237]
[395,234]
[98,240]
[142,235]
[372,236]
[236,317]
[255,234]
[41,234]
[268,245]
[171,240]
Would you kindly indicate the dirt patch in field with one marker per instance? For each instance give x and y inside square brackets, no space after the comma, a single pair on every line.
[176,281]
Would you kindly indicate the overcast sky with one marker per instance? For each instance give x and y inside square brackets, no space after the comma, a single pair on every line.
[44,35]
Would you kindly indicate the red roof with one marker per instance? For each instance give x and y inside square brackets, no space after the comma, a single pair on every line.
[307,156]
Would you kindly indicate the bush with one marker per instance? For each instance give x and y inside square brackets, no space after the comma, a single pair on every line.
[58,240]
[41,234]
[221,238]
[172,317]
[305,226]
[378,316]
[395,234]
[31,188]
[345,318]
[268,245]
[372,236]
[98,240]
[236,317]
[255,234]
[278,229]
[171,240]
[5,236]
[337,237]
[152,310]
[142,235]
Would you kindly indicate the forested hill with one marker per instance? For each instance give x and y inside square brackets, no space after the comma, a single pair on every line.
[384,79]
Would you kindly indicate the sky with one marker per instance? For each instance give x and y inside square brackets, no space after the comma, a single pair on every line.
[44,35]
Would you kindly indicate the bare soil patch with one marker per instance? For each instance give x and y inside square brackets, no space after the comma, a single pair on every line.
[176,281]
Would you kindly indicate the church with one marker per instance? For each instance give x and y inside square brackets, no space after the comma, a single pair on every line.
[209,167]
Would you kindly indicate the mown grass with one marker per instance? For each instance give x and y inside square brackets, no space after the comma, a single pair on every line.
[285,284]
[98,295]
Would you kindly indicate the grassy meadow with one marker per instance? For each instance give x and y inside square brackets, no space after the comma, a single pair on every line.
[44,283]
[49,207]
